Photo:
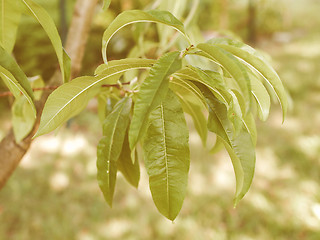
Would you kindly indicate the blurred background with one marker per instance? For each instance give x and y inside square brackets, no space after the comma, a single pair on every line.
[54,193]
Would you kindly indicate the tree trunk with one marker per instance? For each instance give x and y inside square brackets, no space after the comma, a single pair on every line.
[11,152]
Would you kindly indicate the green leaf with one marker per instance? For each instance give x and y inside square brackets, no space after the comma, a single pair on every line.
[22,118]
[15,87]
[8,62]
[218,146]
[239,146]
[256,61]
[232,65]
[213,81]
[152,91]
[134,16]
[192,103]
[37,82]
[128,63]
[48,25]
[72,97]
[167,156]
[9,21]
[130,170]
[110,146]
[262,98]
[106,4]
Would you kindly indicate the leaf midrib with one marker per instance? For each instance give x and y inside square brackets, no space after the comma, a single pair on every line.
[85,89]
[165,156]
[112,138]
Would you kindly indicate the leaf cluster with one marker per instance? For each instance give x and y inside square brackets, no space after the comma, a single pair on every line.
[222,84]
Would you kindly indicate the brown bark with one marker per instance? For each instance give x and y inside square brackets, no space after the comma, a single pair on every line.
[11,152]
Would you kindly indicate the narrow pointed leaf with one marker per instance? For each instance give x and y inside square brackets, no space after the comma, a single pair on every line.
[72,97]
[110,146]
[192,103]
[239,146]
[261,96]
[69,100]
[10,14]
[130,170]
[14,86]
[259,64]
[167,157]
[133,16]
[152,91]
[233,66]
[48,25]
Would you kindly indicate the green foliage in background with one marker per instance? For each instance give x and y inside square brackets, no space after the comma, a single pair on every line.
[222,83]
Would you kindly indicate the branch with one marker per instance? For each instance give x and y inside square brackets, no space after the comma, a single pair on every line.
[11,152]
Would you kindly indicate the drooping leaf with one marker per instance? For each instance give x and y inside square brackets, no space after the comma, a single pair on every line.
[133,16]
[10,14]
[247,119]
[72,97]
[232,65]
[261,96]
[48,25]
[110,146]
[256,60]
[215,84]
[214,81]
[22,118]
[130,170]
[167,156]
[239,146]
[151,93]
[14,86]
[192,103]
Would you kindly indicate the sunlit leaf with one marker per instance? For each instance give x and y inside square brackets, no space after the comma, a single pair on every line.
[71,98]
[261,96]
[133,16]
[22,118]
[151,93]
[130,170]
[255,60]
[48,25]
[215,83]
[239,146]
[10,14]
[167,157]
[192,103]
[110,146]
[232,65]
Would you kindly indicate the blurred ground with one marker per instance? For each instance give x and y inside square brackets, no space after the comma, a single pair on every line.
[54,193]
